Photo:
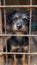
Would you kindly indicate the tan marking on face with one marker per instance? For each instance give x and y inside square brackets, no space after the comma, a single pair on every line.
[24,17]
[14,27]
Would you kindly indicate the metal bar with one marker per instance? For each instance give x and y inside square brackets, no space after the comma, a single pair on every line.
[5,32]
[1,49]
[2,53]
[19,6]
[4,17]
[0,20]
[5,35]
[30,29]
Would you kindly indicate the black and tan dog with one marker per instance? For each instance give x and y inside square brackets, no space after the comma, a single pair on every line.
[17,23]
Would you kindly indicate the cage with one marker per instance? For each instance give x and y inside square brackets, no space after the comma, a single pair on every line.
[11,43]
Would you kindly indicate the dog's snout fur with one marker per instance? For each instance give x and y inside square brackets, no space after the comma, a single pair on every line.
[19,26]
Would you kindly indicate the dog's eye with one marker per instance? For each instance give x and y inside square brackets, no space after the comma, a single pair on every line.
[25,20]
[15,19]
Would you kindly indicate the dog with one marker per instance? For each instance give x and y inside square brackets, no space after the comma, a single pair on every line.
[17,22]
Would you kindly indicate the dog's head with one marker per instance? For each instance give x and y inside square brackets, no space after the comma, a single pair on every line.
[18,22]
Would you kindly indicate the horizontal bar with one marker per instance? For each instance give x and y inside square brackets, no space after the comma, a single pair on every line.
[34,53]
[1,35]
[1,53]
[18,6]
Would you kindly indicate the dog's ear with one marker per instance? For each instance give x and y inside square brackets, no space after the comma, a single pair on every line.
[9,15]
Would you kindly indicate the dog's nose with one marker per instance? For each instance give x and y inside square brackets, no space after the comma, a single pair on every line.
[19,26]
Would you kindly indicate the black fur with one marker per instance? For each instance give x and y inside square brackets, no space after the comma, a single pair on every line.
[13,41]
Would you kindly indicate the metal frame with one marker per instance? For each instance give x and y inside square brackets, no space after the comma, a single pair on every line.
[5,35]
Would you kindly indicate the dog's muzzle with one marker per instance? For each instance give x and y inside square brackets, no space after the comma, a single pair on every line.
[19,26]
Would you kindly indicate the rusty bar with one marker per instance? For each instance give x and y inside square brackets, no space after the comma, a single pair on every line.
[4,17]
[1,35]
[5,31]
[1,49]
[19,6]
[30,29]
[0,20]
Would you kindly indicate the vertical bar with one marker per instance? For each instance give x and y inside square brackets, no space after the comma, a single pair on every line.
[30,29]
[30,2]
[29,43]
[1,46]
[29,52]
[5,32]
[2,60]
[30,21]
[30,16]
[28,59]
[0,20]
[4,17]
[5,24]
[1,49]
